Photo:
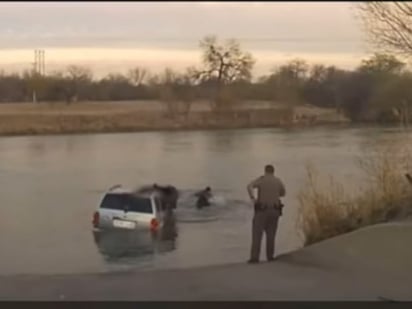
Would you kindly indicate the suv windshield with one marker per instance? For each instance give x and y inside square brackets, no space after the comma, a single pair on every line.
[127,202]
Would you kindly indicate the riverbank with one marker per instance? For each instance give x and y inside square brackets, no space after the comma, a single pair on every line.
[368,264]
[111,117]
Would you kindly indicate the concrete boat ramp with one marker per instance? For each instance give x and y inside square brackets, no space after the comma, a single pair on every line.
[374,263]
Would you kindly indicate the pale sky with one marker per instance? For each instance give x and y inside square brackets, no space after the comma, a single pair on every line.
[114,36]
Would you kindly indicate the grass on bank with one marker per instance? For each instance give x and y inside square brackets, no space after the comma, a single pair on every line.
[328,209]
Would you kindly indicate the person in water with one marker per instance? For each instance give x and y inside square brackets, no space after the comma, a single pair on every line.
[203,198]
[409,178]
[170,196]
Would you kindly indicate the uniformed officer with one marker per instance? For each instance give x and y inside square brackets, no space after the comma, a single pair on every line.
[268,209]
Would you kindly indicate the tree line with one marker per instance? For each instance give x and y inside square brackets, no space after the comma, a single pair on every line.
[379,89]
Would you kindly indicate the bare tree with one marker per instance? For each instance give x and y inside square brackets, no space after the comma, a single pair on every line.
[76,72]
[388,25]
[382,63]
[137,76]
[167,82]
[164,82]
[78,78]
[153,80]
[394,98]
[224,64]
[34,83]
[177,91]
[186,91]
[288,80]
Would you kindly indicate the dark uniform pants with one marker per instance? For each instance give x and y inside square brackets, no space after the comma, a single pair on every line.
[264,221]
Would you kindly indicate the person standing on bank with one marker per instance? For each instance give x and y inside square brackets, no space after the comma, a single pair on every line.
[268,209]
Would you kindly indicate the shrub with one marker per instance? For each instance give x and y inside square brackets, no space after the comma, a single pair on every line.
[327,210]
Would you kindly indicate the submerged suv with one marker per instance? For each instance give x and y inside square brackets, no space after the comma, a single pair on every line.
[125,209]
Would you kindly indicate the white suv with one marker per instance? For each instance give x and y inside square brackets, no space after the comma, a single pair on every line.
[125,209]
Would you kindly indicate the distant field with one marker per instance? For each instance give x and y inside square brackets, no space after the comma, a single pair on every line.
[129,116]
[110,107]
[80,107]
[114,106]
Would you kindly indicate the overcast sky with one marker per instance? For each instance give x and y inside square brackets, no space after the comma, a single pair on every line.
[111,36]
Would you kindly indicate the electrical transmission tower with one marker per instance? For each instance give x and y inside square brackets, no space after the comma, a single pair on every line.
[39,62]
[39,69]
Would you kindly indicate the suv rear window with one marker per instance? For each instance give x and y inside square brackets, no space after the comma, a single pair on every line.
[127,202]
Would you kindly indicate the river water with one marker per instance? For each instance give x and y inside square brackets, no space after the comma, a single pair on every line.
[51,185]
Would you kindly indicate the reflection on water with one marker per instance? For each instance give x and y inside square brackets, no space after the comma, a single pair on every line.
[51,185]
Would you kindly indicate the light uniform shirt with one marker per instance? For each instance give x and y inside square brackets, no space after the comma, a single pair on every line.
[270,189]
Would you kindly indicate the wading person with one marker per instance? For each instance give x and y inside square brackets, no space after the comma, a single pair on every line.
[203,198]
[170,196]
[268,209]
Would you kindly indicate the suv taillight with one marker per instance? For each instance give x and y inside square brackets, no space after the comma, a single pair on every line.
[154,224]
[95,219]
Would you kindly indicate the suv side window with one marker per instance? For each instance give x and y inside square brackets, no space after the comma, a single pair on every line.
[139,204]
[113,201]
